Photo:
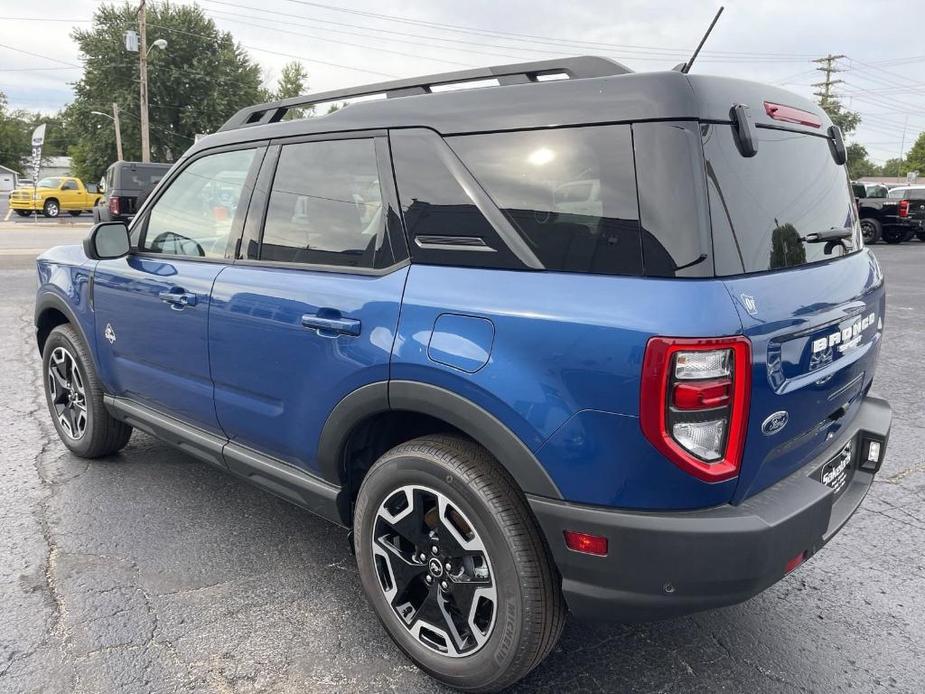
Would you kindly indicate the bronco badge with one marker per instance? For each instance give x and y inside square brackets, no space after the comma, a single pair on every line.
[109,333]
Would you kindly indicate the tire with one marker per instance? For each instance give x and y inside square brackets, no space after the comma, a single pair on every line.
[871,230]
[23,213]
[51,208]
[100,434]
[519,617]
[76,213]
[920,235]
[891,235]
[909,235]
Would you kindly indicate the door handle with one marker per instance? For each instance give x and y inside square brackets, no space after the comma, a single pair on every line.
[177,298]
[331,325]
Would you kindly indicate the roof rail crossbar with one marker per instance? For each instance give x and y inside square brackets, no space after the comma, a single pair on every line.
[581,67]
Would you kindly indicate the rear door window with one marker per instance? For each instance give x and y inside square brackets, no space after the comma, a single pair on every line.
[570,192]
[764,207]
[326,206]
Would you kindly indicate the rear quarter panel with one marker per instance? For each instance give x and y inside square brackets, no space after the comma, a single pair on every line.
[563,368]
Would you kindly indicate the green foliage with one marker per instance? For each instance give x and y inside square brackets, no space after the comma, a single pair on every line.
[15,136]
[858,163]
[847,120]
[293,81]
[892,168]
[194,85]
[915,157]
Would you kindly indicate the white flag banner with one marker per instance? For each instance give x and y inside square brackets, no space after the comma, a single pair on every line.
[38,139]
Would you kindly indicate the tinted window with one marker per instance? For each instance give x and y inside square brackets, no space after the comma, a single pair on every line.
[571,193]
[196,214]
[762,207]
[438,211]
[69,185]
[49,183]
[325,205]
[672,200]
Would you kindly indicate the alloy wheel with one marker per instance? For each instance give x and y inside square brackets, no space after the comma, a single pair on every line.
[67,394]
[434,571]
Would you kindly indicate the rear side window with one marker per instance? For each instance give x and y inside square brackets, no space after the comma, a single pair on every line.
[325,205]
[764,207]
[570,192]
[444,224]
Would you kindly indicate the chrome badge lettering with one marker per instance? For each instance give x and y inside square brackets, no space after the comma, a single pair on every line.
[775,422]
[848,337]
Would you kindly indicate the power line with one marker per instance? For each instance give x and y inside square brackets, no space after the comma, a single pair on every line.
[829,66]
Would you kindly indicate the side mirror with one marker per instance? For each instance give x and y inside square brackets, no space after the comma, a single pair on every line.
[107,241]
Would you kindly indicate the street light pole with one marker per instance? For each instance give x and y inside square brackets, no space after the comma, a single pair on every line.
[143,84]
[115,121]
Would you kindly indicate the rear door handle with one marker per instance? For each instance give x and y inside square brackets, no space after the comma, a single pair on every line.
[178,298]
[331,325]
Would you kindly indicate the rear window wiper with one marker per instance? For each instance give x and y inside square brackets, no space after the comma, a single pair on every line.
[828,235]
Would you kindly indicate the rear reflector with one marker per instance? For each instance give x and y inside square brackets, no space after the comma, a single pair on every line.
[585,543]
[795,562]
[789,114]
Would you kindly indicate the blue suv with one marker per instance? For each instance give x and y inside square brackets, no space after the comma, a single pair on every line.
[570,339]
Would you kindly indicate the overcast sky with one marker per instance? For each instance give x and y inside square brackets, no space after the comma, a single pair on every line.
[359,41]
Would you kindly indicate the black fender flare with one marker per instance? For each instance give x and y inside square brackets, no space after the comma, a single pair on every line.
[425,398]
[49,300]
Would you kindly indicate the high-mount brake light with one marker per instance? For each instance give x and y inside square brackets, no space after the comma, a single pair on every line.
[694,402]
[903,208]
[789,114]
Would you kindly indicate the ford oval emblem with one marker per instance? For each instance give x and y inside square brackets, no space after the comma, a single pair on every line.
[775,423]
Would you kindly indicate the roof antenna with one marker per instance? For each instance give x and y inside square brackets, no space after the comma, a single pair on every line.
[686,67]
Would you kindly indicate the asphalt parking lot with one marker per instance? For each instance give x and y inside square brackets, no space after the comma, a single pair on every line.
[8,216]
[151,572]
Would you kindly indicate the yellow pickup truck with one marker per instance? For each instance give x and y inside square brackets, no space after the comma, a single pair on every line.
[54,195]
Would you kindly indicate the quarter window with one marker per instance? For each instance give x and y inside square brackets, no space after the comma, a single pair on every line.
[197,213]
[325,205]
[571,192]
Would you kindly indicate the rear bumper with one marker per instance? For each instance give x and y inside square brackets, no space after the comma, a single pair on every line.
[665,564]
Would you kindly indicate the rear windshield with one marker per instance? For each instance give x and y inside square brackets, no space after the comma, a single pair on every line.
[135,177]
[763,207]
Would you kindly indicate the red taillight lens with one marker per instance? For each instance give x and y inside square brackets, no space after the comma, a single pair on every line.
[903,208]
[795,562]
[585,543]
[114,205]
[694,402]
[789,114]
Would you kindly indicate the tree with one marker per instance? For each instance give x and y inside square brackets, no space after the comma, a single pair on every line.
[858,163]
[15,137]
[893,168]
[194,85]
[293,81]
[915,159]
[847,120]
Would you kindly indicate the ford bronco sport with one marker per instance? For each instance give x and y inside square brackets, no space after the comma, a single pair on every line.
[572,339]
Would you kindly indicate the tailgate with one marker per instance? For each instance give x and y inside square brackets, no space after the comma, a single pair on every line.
[815,334]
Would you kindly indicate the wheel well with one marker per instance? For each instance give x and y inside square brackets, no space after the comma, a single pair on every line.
[49,319]
[374,436]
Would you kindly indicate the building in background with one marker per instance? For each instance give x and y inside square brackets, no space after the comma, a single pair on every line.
[55,166]
[8,179]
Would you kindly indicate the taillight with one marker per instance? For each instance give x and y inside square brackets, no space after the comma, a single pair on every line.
[694,402]
[114,205]
[903,208]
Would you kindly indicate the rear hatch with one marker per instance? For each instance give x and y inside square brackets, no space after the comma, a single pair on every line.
[813,311]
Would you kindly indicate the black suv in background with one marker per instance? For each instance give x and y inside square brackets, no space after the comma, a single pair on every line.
[128,184]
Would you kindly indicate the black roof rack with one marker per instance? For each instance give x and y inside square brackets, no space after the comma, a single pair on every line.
[519,73]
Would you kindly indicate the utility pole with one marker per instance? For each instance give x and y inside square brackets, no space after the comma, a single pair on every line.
[143,84]
[902,146]
[828,67]
[115,119]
